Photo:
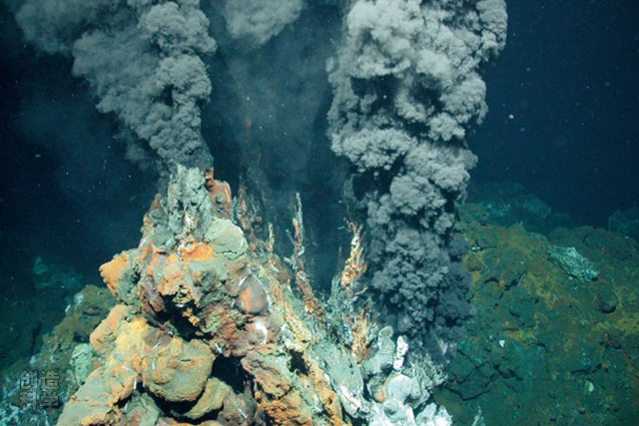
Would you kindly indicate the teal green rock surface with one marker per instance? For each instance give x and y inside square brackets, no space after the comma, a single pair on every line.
[547,345]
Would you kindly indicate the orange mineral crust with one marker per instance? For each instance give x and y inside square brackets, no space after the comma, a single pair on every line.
[113,271]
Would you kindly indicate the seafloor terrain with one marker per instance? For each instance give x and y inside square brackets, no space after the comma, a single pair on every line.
[550,343]
[554,340]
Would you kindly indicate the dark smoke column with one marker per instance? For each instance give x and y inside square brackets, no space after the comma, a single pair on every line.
[407,89]
[142,58]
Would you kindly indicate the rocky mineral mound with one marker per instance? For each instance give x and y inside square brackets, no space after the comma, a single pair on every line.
[212,328]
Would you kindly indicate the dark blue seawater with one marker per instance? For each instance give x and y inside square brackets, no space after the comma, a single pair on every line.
[534,318]
[564,106]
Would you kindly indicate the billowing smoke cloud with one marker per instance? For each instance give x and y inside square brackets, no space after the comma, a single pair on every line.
[407,89]
[259,21]
[143,60]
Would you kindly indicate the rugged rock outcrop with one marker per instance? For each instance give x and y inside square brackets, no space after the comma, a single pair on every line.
[542,334]
[209,330]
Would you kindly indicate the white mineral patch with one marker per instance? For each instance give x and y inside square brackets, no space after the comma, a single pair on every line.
[79,298]
[434,416]
[402,348]
[351,402]
[259,325]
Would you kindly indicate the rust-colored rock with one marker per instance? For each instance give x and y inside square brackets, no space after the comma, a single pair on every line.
[178,371]
[172,422]
[121,344]
[104,335]
[196,292]
[113,271]
[198,252]
[253,296]
[220,193]
[177,284]
[215,392]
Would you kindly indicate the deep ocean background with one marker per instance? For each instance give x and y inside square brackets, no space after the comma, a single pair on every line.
[568,78]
